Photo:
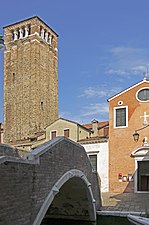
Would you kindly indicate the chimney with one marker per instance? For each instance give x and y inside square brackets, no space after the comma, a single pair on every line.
[95,128]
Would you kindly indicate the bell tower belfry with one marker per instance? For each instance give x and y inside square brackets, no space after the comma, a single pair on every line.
[30,78]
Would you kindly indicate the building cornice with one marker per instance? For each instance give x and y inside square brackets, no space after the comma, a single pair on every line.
[128,89]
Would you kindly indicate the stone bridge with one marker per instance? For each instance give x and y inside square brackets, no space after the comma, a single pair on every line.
[55,181]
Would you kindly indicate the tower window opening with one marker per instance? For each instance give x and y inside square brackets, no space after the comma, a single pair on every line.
[29,30]
[13,77]
[13,35]
[23,30]
[18,33]
[40,31]
[52,38]
[41,105]
[45,34]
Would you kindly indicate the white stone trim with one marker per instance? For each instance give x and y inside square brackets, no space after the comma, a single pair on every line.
[137,159]
[21,33]
[141,151]
[26,31]
[27,42]
[120,213]
[35,40]
[15,35]
[55,189]
[138,92]
[128,89]
[6,51]
[119,107]
[136,173]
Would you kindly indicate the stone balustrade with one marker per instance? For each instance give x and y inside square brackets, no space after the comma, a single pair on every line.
[24,32]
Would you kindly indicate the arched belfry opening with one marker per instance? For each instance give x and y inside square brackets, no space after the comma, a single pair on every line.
[70,200]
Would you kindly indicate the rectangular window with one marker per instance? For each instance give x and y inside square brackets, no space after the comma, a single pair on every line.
[66,133]
[53,134]
[93,160]
[121,117]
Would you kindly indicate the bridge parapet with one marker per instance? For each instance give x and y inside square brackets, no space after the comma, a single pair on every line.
[53,181]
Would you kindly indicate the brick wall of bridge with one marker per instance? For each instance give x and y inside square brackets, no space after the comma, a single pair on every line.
[24,184]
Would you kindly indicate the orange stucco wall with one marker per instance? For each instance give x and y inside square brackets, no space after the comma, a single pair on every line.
[121,143]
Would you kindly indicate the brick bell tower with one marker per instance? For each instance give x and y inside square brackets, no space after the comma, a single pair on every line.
[30,78]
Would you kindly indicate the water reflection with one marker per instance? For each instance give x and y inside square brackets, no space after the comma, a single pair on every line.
[47,221]
[101,220]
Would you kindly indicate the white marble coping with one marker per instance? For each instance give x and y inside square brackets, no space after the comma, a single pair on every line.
[119,213]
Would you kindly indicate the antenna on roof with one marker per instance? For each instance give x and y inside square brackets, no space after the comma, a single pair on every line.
[146,74]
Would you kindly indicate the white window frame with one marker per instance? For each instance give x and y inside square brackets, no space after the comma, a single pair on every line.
[115,108]
[138,92]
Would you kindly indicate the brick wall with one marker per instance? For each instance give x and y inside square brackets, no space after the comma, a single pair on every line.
[25,185]
[30,81]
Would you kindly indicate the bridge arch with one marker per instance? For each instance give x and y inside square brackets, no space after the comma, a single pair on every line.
[80,182]
[56,180]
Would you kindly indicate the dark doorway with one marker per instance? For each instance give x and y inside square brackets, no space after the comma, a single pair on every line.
[143,175]
[144,183]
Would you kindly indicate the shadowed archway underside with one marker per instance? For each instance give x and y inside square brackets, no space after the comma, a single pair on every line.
[72,200]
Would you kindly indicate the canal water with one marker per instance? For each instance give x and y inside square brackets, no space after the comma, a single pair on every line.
[101,220]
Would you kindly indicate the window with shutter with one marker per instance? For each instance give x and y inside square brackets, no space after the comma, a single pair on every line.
[66,133]
[53,134]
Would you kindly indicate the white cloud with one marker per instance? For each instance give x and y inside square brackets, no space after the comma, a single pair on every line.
[127,61]
[75,118]
[95,109]
[139,69]
[122,51]
[100,92]
[117,72]
[64,114]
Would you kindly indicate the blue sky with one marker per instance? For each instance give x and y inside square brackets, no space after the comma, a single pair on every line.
[103,49]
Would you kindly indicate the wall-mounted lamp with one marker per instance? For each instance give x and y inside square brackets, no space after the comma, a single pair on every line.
[136,136]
